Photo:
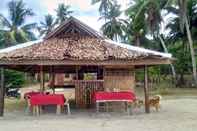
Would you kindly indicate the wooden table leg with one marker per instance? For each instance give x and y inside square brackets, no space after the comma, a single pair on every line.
[130,104]
[58,110]
[40,109]
[68,109]
[107,106]
[126,106]
[97,107]
[37,110]
[33,110]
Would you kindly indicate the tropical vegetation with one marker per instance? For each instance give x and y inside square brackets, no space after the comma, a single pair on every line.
[165,25]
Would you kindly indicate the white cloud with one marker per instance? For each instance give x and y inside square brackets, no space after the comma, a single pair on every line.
[84,5]
[91,21]
[50,5]
[124,4]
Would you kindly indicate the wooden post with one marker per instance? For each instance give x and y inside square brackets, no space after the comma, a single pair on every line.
[146,93]
[2,92]
[53,79]
[77,86]
[41,79]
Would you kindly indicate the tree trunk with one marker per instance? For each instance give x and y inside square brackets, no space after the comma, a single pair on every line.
[2,92]
[146,90]
[166,51]
[191,50]
[137,41]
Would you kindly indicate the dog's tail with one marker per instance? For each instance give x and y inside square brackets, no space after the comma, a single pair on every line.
[158,96]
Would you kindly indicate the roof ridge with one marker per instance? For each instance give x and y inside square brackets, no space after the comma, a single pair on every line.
[139,49]
[84,26]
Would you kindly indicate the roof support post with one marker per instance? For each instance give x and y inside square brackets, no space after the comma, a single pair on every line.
[2,89]
[53,79]
[146,90]
[41,79]
[77,84]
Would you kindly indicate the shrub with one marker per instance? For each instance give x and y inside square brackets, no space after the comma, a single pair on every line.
[14,79]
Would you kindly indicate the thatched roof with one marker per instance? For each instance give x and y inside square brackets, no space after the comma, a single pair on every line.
[69,49]
[75,41]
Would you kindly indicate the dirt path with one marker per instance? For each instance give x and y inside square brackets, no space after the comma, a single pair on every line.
[176,115]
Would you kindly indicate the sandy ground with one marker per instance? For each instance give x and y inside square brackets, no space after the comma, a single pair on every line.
[175,115]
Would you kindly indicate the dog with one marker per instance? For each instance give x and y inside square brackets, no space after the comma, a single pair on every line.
[155,102]
[138,103]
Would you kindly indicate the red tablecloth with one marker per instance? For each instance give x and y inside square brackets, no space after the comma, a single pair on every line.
[29,94]
[50,99]
[114,96]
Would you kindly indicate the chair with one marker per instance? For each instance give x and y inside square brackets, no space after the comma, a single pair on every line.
[68,107]
[67,103]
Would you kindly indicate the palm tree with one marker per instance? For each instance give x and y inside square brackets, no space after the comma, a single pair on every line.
[47,25]
[105,5]
[184,24]
[136,26]
[14,29]
[178,46]
[114,26]
[63,12]
[152,11]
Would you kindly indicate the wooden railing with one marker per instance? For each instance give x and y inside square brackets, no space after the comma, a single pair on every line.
[84,90]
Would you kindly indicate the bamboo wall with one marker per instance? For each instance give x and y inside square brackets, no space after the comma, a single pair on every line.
[121,79]
[84,91]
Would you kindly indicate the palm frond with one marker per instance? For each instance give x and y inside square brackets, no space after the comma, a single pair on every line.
[4,21]
[28,27]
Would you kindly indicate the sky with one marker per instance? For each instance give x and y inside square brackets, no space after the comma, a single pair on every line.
[83,10]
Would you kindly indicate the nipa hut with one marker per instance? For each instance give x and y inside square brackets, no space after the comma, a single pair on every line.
[74,47]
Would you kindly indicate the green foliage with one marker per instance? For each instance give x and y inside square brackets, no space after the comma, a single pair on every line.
[136,26]
[144,19]
[105,5]
[15,30]
[114,26]
[14,79]
[47,25]
[63,12]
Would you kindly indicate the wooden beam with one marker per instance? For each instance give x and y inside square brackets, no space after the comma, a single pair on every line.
[41,79]
[146,92]
[2,92]
[137,62]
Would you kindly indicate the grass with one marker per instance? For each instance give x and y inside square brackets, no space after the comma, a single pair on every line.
[12,104]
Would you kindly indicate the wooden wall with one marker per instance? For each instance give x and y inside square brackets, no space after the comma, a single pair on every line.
[122,79]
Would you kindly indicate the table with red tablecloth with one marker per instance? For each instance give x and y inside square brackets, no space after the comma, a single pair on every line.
[50,99]
[122,96]
[38,99]
[27,95]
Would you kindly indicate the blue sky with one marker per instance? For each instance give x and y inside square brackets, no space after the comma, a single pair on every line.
[83,10]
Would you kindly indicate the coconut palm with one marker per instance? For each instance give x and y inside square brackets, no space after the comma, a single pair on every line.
[14,29]
[152,11]
[105,5]
[177,32]
[136,26]
[185,24]
[63,12]
[47,25]
[114,26]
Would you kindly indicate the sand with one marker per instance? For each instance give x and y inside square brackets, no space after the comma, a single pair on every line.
[175,115]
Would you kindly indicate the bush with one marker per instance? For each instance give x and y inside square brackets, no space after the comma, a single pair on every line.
[14,79]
